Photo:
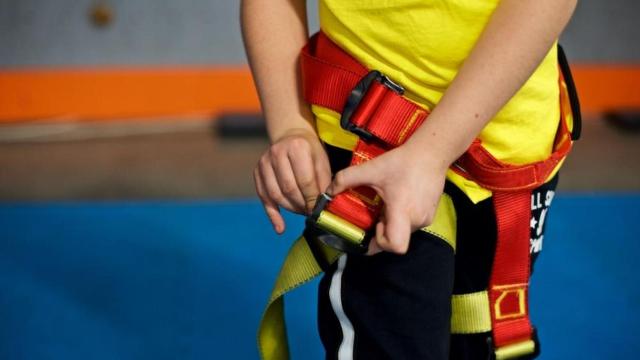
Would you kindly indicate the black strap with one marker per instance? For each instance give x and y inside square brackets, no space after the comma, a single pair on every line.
[573,94]
[311,235]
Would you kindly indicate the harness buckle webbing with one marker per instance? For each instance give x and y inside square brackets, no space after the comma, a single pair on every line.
[358,93]
[374,108]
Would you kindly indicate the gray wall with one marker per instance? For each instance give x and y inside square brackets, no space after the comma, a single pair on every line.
[58,32]
[604,31]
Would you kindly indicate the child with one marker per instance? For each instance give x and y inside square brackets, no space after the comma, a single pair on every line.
[485,70]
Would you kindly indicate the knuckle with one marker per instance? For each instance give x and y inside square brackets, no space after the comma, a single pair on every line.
[289,188]
[299,144]
[276,151]
[264,199]
[399,247]
[383,243]
[271,212]
[306,182]
[339,179]
[264,160]
[257,183]
[311,201]
[275,195]
[426,220]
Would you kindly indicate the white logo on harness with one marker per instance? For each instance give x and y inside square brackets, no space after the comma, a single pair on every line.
[539,210]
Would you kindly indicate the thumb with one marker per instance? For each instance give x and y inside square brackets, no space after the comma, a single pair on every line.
[352,177]
[395,232]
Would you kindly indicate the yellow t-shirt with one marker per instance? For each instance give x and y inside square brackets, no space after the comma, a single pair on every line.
[421,44]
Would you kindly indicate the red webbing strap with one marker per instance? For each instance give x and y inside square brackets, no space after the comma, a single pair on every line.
[328,76]
[509,283]
[360,206]
[388,116]
[512,185]
[479,165]
[328,73]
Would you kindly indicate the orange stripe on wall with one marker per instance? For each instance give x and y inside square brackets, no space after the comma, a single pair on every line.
[607,87]
[94,94]
[97,93]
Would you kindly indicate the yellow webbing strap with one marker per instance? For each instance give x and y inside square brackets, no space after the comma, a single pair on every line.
[516,350]
[332,223]
[300,267]
[470,313]
[445,221]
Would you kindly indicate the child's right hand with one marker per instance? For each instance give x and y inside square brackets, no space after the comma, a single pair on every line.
[291,174]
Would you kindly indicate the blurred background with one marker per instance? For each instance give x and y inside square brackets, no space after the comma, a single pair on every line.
[129,227]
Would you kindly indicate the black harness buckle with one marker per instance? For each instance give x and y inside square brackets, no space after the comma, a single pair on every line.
[356,96]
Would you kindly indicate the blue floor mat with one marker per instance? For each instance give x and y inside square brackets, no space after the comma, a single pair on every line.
[188,280]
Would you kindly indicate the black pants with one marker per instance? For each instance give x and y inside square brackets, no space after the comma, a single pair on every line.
[389,306]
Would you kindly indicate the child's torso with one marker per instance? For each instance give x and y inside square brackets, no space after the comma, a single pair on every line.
[422,44]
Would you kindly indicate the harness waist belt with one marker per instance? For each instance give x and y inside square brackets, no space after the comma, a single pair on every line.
[374,108]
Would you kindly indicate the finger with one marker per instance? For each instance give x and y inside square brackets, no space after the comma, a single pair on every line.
[381,241]
[305,176]
[353,176]
[396,231]
[287,182]
[323,171]
[272,188]
[374,248]
[270,208]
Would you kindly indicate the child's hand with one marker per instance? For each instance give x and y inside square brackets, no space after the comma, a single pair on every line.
[291,174]
[410,182]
